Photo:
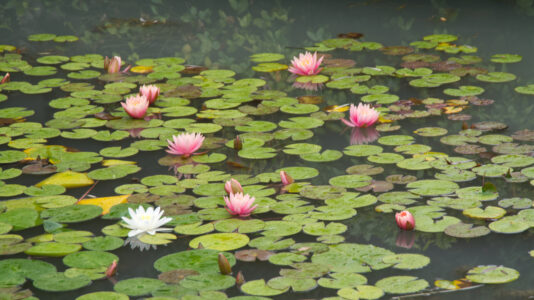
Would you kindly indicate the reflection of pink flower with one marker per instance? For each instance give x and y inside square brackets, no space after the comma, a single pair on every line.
[308,86]
[136,106]
[185,144]
[405,220]
[233,186]
[135,132]
[286,179]
[362,115]
[306,64]
[405,239]
[151,92]
[6,79]
[363,135]
[239,204]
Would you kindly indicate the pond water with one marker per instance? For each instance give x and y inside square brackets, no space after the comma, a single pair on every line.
[454,146]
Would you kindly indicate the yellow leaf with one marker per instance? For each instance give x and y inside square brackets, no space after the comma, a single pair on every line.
[142,69]
[452,110]
[105,202]
[384,120]
[68,179]
[457,102]
[116,162]
[337,108]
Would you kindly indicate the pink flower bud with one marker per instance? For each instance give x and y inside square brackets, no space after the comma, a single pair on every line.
[233,186]
[286,179]
[405,220]
[6,79]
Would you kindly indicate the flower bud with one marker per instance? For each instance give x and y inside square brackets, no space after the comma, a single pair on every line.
[233,186]
[6,79]
[112,269]
[239,279]
[224,265]
[405,220]
[286,179]
[238,144]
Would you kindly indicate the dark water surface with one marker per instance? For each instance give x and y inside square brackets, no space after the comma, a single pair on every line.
[222,34]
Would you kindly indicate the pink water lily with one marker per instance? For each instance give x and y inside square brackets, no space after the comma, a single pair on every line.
[362,115]
[6,78]
[136,106]
[233,186]
[239,204]
[405,220]
[151,92]
[185,144]
[286,179]
[113,65]
[306,64]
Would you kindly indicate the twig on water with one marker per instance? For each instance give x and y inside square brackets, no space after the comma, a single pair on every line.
[88,191]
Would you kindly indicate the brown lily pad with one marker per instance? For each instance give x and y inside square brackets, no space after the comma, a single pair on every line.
[469,149]
[400,179]
[377,186]
[175,276]
[251,255]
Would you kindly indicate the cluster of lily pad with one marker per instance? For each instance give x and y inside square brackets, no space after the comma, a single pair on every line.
[252,134]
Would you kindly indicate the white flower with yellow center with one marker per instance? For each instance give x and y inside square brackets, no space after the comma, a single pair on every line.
[148,221]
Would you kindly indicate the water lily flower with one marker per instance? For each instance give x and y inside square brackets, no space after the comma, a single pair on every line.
[239,204]
[136,106]
[405,220]
[362,115]
[233,186]
[113,65]
[185,144]
[363,135]
[286,179]
[145,221]
[6,78]
[306,64]
[151,92]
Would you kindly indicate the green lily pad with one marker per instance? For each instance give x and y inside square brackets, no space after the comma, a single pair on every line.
[402,284]
[492,274]
[463,230]
[221,241]
[138,286]
[58,282]
[407,261]
[201,260]
[496,77]
[53,249]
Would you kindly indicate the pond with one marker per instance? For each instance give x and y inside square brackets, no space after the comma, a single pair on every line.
[448,139]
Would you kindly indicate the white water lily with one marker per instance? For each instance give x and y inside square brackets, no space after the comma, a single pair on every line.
[148,221]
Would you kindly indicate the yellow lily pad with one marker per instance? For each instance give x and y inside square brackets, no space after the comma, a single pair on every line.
[105,202]
[116,162]
[68,179]
[142,69]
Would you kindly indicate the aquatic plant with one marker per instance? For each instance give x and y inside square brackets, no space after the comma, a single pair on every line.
[405,220]
[145,221]
[151,92]
[185,144]
[306,64]
[233,186]
[239,204]
[286,179]
[136,106]
[362,115]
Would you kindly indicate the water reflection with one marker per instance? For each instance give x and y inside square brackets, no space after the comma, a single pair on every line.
[362,135]
[135,243]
